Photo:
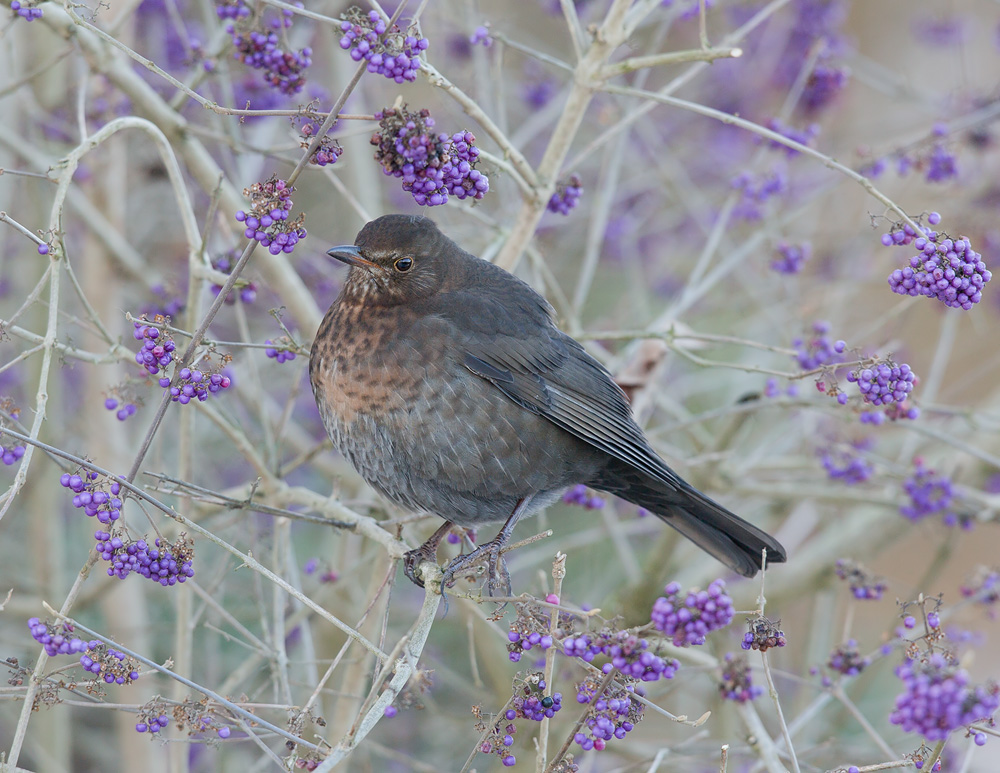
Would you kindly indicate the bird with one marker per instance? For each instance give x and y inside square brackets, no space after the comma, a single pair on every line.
[445,382]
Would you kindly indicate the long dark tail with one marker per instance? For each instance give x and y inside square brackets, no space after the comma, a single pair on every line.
[727,537]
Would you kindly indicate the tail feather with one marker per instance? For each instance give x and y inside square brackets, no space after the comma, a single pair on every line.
[730,539]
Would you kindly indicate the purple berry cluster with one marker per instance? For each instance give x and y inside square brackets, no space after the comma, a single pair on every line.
[520,641]
[627,652]
[946,269]
[848,464]
[95,495]
[10,454]
[247,289]
[278,351]
[884,382]
[566,196]
[824,83]
[937,698]
[96,657]
[612,714]
[820,350]
[940,164]
[152,724]
[388,51]
[194,384]
[109,664]
[481,36]
[756,190]
[431,166]
[864,585]
[232,9]
[791,257]
[261,49]
[328,151]
[529,702]
[983,586]
[582,496]
[762,635]
[28,14]
[56,639]
[688,618]
[124,412]
[162,562]
[158,347]
[931,494]
[736,684]
[268,219]
[846,659]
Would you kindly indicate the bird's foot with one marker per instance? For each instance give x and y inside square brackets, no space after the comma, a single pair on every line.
[412,559]
[497,576]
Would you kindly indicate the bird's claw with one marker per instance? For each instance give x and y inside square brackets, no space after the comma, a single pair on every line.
[497,575]
[412,559]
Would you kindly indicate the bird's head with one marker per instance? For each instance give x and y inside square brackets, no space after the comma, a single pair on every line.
[395,259]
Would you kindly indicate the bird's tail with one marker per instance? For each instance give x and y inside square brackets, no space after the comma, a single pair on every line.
[724,535]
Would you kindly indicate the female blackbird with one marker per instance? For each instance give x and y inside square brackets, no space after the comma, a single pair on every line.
[443,380]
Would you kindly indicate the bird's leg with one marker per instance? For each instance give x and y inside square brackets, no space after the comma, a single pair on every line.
[426,552]
[496,567]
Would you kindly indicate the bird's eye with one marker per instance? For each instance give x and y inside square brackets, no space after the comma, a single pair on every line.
[403,265]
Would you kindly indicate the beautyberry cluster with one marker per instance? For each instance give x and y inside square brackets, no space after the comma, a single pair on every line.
[127,409]
[847,463]
[95,495]
[820,350]
[566,196]
[937,697]
[28,14]
[109,664]
[755,190]
[688,618]
[884,382]
[328,151]
[158,347]
[983,586]
[96,657]
[261,48]
[431,166]
[762,635]
[10,454]
[267,221]
[196,716]
[627,652]
[388,51]
[736,684]
[232,9]
[581,495]
[864,585]
[931,494]
[521,641]
[945,268]
[846,659]
[157,353]
[529,702]
[613,713]
[56,639]
[281,354]
[481,36]
[162,562]
[791,257]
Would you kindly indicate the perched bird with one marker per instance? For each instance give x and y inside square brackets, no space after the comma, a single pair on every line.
[444,381]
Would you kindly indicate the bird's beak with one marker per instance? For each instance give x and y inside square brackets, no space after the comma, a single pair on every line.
[349,254]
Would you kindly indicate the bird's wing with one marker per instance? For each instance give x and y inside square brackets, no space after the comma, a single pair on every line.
[545,371]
